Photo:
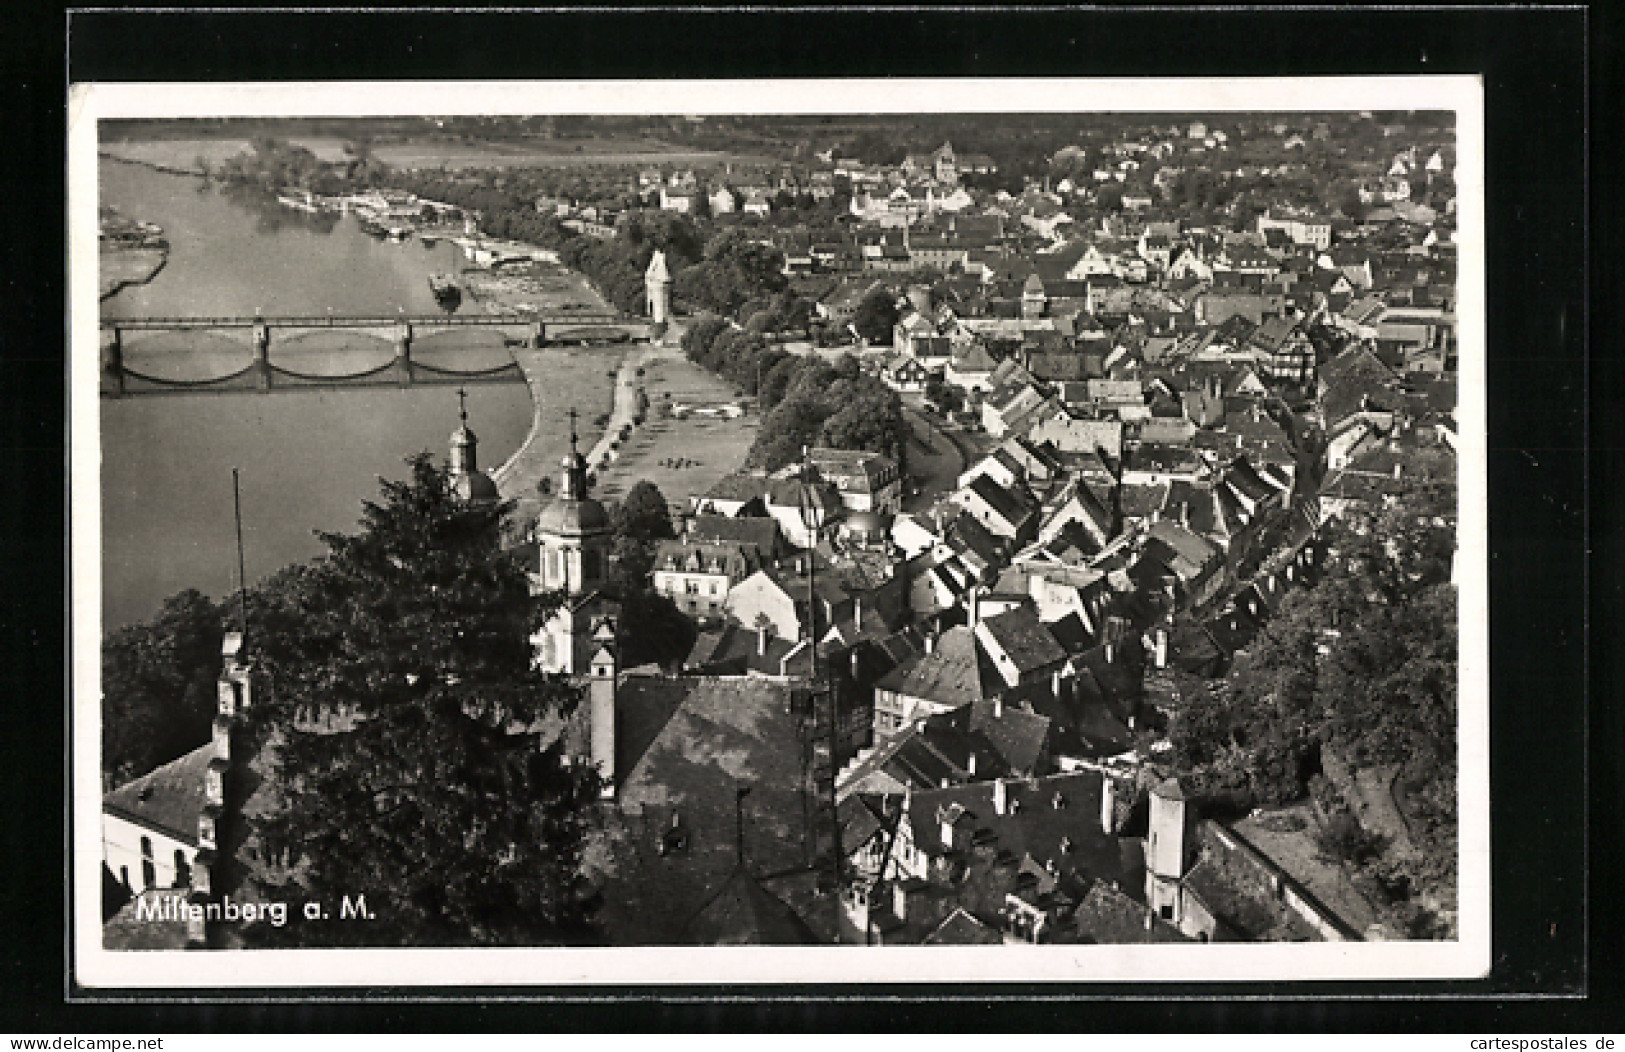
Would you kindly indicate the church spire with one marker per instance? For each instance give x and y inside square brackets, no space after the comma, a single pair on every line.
[463,442]
[574,485]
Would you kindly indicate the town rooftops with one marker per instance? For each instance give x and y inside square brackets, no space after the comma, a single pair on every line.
[1054,821]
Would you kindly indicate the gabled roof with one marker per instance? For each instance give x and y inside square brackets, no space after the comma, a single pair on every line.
[1020,634]
[1018,736]
[759,533]
[743,913]
[1034,828]
[1108,916]
[738,487]
[962,929]
[168,799]
[1004,502]
[1178,548]
[951,675]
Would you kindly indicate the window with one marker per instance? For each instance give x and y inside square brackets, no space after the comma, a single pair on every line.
[149,870]
[1167,911]
[183,871]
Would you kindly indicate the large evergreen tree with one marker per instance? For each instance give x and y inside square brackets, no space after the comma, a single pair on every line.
[414,762]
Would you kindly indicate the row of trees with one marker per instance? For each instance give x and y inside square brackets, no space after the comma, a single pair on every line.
[804,399]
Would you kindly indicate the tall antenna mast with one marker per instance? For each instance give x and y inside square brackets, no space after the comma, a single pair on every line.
[242,577]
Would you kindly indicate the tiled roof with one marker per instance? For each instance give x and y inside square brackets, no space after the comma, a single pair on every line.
[760,533]
[1191,553]
[1108,916]
[951,675]
[729,558]
[962,929]
[1018,736]
[1004,503]
[743,913]
[1036,827]
[1024,638]
[168,799]
[738,487]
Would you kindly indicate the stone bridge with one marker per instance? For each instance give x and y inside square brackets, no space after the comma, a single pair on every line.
[155,355]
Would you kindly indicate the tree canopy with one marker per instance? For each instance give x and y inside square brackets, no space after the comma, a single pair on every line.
[413,760]
[158,686]
[1364,663]
[876,315]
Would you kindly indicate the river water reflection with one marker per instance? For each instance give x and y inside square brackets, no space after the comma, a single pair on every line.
[307,457]
[241,254]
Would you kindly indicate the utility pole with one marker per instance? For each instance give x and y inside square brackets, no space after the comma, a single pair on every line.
[242,581]
[809,518]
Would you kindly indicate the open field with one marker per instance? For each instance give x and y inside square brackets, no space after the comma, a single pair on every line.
[542,288]
[682,457]
[539,153]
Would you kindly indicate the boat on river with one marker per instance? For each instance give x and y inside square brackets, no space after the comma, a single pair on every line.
[447,292]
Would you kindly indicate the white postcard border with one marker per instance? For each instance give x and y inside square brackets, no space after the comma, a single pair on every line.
[95,967]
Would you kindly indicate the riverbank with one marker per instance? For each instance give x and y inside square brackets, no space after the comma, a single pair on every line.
[119,267]
[129,252]
[157,166]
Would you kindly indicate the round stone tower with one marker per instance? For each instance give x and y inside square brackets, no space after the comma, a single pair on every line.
[657,284]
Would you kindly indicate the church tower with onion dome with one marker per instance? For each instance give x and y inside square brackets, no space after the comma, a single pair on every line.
[575,540]
[467,480]
[574,531]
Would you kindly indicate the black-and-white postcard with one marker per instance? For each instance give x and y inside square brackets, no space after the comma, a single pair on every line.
[559,533]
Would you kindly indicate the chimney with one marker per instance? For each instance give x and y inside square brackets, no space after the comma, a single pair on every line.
[930,643]
[1055,683]
[761,640]
[1161,638]
[857,612]
[1185,513]
[998,706]
[1399,469]
[1001,797]
[970,764]
[1108,805]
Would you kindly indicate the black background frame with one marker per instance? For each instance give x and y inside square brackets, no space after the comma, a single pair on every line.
[1554,967]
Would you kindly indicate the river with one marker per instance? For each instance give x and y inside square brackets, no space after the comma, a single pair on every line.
[307,457]
[241,254]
